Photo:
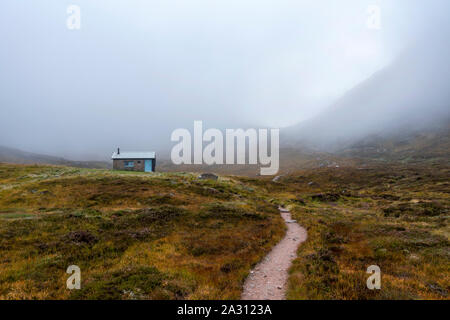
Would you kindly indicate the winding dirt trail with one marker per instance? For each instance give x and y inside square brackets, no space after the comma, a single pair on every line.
[267,281]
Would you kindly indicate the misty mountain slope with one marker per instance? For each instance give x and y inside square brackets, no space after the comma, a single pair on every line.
[409,96]
[11,155]
[427,144]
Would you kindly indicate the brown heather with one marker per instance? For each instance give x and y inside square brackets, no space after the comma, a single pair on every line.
[172,236]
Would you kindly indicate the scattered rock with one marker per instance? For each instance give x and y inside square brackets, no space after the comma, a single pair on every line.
[208,176]
[276,179]
[313,184]
[414,257]
[437,289]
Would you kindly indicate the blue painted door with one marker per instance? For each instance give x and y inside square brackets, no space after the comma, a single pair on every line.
[148,165]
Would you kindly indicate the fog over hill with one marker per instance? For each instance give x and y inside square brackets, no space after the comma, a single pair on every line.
[410,96]
[138,70]
[12,155]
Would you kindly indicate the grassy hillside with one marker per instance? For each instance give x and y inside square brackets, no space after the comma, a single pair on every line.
[157,236]
[393,216]
[172,236]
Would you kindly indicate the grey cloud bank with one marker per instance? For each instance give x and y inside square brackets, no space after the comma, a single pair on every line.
[137,70]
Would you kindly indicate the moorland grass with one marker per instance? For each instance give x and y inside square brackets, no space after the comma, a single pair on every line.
[172,236]
[134,236]
[395,217]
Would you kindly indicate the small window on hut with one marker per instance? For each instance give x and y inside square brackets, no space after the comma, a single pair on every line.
[128,164]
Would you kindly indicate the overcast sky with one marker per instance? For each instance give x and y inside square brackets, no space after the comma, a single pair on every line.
[138,69]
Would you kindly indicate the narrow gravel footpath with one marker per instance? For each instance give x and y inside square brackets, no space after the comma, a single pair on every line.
[267,281]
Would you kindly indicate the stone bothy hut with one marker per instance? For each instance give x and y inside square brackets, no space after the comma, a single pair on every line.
[134,161]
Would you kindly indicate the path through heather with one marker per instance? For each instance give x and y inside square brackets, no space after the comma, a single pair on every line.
[268,280]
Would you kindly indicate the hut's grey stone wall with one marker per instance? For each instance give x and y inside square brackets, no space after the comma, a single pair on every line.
[119,164]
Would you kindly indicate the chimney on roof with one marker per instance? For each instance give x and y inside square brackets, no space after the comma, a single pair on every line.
[118,150]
